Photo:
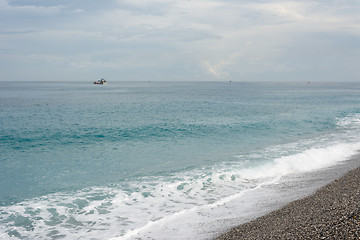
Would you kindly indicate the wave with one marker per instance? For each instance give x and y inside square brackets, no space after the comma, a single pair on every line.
[351,121]
[27,138]
[132,208]
[308,160]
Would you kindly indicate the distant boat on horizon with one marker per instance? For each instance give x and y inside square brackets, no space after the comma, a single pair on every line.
[101,81]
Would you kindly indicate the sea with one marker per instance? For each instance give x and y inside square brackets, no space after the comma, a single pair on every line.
[166,160]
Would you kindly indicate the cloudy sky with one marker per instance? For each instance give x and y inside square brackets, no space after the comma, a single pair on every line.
[180,40]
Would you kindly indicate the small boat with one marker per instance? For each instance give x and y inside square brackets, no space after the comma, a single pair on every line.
[101,81]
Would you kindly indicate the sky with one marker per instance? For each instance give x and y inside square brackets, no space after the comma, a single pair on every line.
[180,40]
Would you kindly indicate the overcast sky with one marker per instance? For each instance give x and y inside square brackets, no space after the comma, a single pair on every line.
[180,40]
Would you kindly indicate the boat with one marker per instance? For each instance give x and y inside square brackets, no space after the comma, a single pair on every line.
[101,81]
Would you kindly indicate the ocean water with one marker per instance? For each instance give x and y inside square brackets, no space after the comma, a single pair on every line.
[164,160]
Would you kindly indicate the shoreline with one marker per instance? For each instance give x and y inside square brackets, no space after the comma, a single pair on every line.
[332,212]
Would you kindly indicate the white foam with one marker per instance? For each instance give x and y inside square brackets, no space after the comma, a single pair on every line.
[160,206]
[350,121]
[308,160]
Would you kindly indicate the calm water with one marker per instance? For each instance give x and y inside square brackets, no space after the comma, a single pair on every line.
[127,160]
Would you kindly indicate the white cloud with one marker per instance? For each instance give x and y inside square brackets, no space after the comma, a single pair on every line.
[217,38]
[78,11]
[221,68]
[287,10]
[29,9]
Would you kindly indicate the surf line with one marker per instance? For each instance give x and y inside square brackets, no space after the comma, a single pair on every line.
[133,232]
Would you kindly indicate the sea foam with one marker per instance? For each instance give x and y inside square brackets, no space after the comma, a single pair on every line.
[153,206]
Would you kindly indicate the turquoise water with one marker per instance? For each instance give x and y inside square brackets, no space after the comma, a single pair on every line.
[120,159]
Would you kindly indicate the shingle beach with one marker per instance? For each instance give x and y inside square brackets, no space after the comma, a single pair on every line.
[333,212]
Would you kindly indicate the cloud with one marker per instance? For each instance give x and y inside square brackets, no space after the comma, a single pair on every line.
[221,69]
[209,39]
[29,9]
[288,10]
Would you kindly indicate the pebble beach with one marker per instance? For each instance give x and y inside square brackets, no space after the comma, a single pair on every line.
[332,212]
